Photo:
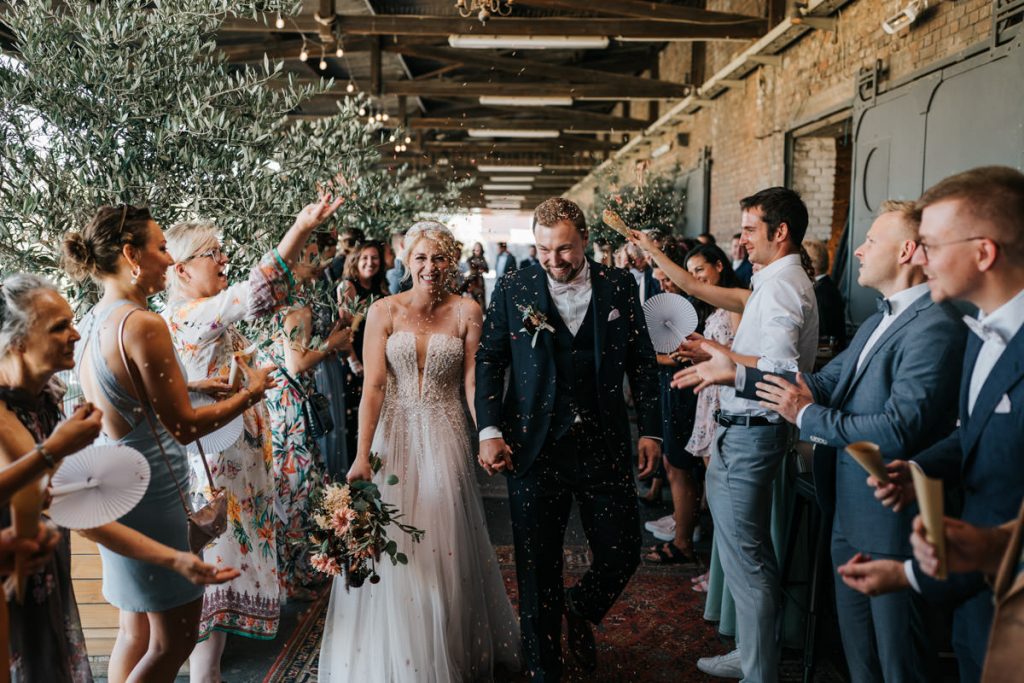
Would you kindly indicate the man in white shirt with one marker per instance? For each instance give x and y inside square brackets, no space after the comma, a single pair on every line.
[971,248]
[778,333]
[892,387]
[505,262]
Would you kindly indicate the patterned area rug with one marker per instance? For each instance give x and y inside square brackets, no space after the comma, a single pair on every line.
[654,633]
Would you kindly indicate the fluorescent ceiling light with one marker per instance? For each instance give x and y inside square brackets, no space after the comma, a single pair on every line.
[510,206]
[505,197]
[511,178]
[506,186]
[529,42]
[511,133]
[495,168]
[525,101]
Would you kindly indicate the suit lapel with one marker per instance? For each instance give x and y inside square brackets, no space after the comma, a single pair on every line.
[600,308]
[898,324]
[850,368]
[1004,375]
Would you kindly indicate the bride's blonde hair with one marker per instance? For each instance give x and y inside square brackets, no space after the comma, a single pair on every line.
[439,234]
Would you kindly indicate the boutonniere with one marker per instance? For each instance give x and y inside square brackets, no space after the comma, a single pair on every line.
[533,322]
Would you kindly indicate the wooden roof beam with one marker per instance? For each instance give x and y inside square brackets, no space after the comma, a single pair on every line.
[645,10]
[645,90]
[560,123]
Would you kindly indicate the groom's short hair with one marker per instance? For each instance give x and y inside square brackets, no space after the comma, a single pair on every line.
[557,209]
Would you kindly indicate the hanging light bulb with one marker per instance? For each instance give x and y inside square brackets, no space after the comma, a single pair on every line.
[304,55]
[398,148]
[323,64]
[362,111]
[408,139]
[391,138]
[280,21]
[384,116]
[350,87]
[339,53]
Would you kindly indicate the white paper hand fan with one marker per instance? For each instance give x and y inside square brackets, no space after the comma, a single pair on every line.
[221,438]
[98,485]
[670,319]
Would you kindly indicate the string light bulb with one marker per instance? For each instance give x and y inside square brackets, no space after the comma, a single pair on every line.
[408,139]
[339,53]
[391,138]
[323,60]
[279,23]
[350,87]
[362,111]
[384,116]
[304,54]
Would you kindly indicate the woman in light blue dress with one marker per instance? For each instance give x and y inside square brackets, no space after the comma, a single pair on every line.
[123,249]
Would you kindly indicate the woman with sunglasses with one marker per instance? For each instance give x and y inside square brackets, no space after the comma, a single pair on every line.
[202,313]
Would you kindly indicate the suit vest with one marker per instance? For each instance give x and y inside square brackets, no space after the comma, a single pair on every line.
[575,374]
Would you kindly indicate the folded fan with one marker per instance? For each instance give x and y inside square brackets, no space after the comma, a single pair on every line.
[98,485]
[670,319]
[220,439]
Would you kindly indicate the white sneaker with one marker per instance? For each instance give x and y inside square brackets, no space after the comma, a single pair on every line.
[665,534]
[664,524]
[722,666]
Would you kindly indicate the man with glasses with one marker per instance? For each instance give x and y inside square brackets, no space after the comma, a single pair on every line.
[971,248]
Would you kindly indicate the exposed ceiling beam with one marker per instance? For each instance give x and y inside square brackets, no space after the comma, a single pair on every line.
[523,67]
[402,25]
[442,89]
[557,145]
[646,10]
[561,123]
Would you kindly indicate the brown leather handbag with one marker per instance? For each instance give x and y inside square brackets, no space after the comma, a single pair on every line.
[207,523]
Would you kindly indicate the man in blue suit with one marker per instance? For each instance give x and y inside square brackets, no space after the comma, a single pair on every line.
[893,387]
[971,248]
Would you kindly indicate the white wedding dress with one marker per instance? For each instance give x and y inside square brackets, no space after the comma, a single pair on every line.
[445,616]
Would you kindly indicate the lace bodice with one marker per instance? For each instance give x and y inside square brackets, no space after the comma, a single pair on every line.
[441,384]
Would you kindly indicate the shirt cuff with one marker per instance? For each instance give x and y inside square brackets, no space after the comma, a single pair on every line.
[800,416]
[908,569]
[490,433]
[741,376]
[653,438]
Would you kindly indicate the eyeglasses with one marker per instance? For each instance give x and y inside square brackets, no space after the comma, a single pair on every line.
[217,254]
[925,247]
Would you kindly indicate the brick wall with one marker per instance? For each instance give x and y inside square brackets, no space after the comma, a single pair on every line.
[813,176]
[746,127]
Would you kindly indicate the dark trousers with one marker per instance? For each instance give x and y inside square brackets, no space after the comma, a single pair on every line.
[972,621]
[580,465]
[884,637]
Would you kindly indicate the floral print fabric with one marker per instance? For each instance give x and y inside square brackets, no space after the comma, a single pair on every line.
[717,328]
[205,336]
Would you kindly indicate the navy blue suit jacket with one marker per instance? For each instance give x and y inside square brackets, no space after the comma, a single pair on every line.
[902,398]
[622,347]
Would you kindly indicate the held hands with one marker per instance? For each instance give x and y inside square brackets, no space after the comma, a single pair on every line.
[495,456]
[648,453]
[199,572]
[899,492]
[720,369]
[784,398]
[968,548]
[873,577]
[76,432]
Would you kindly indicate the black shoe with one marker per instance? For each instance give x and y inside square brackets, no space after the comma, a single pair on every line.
[581,641]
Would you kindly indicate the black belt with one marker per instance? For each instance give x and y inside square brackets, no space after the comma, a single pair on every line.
[743,420]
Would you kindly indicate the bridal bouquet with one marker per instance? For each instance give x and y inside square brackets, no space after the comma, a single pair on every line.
[351,532]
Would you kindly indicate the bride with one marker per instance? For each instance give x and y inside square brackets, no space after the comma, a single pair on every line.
[445,615]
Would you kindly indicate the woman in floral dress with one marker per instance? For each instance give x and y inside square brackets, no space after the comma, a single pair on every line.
[298,466]
[202,313]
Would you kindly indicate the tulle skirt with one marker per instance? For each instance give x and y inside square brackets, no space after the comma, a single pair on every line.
[445,616]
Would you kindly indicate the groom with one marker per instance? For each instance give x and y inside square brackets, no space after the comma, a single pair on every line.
[565,331]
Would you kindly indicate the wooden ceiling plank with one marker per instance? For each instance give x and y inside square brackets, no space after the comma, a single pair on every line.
[475,89]
[644,10]
[561,123]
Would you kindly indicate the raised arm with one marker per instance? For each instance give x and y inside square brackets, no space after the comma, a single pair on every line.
[374,384]
[148,346]
[298,356]
[730,298]
[474,329]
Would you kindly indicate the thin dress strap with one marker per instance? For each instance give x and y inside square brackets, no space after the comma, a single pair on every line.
[461,331]
[126,405]
[391,316]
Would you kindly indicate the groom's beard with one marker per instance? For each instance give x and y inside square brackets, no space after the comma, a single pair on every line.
[567,275]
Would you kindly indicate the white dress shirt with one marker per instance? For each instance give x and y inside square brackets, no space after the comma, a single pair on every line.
[638,275]
[779,326]
[898,304]
[502,262]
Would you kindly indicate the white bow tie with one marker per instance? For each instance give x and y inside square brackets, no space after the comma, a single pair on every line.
[987,333]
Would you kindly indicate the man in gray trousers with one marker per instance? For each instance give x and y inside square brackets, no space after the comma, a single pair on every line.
[778,332]
[897,386]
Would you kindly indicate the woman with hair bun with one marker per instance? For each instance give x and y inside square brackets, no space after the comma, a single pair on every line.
[47,643]
[445,616]
[127,366]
